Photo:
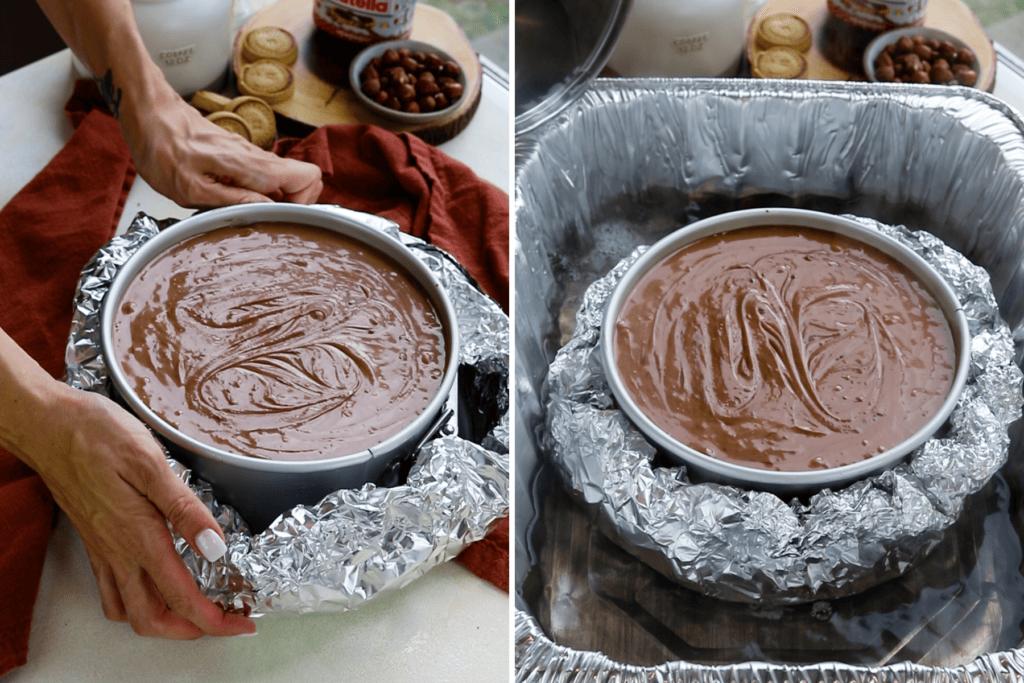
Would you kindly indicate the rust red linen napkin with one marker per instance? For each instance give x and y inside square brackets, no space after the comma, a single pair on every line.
[71,208]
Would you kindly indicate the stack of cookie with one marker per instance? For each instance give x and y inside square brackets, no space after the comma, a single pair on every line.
[266,78]
[781,40]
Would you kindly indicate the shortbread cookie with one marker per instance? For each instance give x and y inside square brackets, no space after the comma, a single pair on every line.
[268,80]
[231,122]
[270,42]
[779,62]
[209,102]
[259,116]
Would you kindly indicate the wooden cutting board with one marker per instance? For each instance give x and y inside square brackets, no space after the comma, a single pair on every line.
[322,93]
[952,16]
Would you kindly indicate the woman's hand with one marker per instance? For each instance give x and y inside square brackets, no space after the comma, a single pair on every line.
[111,478]
[198,164]
[180,154]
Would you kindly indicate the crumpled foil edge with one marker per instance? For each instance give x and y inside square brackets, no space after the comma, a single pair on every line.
[751,546]
[539,660]
[355,544]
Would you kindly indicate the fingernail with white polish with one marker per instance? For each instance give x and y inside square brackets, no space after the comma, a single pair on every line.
[211,545]
[247,635]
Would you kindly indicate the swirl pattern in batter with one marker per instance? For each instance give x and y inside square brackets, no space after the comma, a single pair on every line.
[280,341]
[784,348]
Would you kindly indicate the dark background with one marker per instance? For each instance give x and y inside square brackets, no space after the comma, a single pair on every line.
[25,35]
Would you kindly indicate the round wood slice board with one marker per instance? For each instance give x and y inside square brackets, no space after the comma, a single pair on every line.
[322,93]
[952,16]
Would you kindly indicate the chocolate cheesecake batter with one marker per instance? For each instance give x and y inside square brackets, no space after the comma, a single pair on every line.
[784,348]
[280,341]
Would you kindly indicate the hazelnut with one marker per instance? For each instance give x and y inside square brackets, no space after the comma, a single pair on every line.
[885,73]
[433,62]
[947,49]
[968,77]
[371,86]
[965,55]
[427,87]
[397,76]
[406,92]
[452,69]
[941,74]
[390,57]
[453,91]
[912,62]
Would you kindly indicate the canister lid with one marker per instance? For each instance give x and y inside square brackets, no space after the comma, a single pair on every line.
[561,46]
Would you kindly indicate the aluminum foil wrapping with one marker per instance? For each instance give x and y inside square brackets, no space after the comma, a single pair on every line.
[633,160]
[753,546]
[354,544]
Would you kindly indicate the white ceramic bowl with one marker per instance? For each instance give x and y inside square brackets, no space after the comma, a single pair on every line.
[889,37]
[785,482]
[376,50]
[262,489]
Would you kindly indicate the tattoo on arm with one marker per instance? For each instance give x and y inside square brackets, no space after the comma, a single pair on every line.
[111,95]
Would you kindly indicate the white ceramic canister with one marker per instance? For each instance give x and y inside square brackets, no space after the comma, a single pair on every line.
[190,40]
[681,38]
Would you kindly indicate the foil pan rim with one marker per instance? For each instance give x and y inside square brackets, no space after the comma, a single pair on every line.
[355,544]
[945,99]
[539,659]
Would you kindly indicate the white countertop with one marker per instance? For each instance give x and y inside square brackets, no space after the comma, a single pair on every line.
[448,625]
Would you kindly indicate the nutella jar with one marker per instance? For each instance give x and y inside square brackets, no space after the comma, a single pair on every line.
[852,24]
[365,21]
[879,15]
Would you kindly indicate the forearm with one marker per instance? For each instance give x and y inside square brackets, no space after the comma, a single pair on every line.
[178,152]
[29,398]
[104,35]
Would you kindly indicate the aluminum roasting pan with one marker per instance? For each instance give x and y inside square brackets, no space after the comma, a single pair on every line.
[660,153]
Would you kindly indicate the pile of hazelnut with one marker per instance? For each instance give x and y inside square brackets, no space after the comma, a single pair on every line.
[411,81]
[917,59]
